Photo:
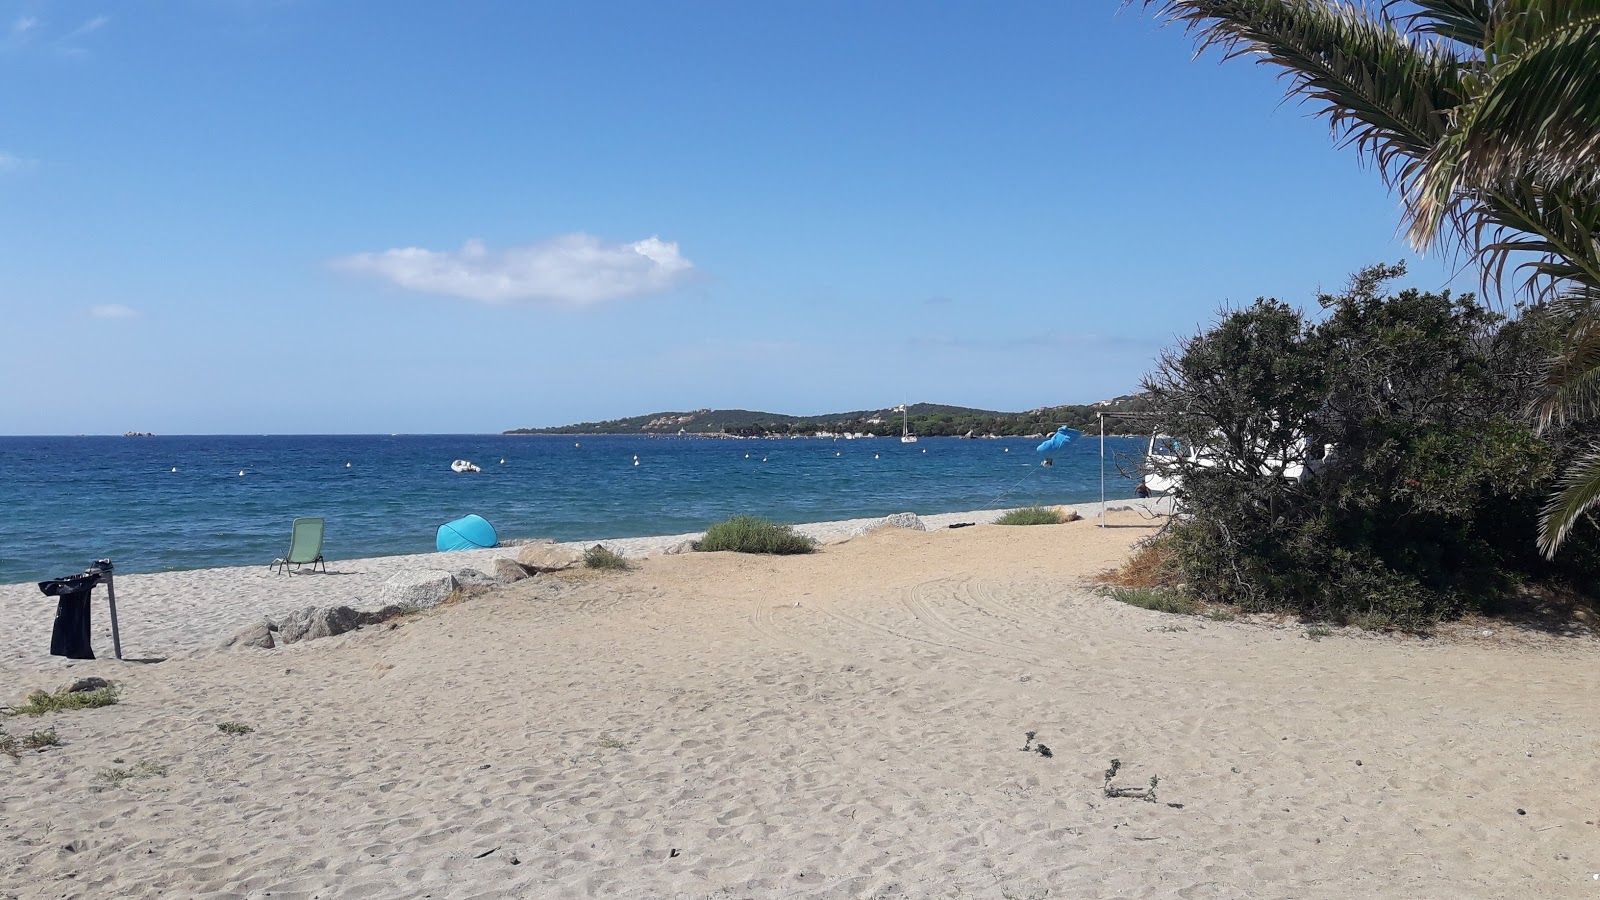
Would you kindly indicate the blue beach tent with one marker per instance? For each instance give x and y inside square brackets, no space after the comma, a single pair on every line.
[466,533]
[1059,440]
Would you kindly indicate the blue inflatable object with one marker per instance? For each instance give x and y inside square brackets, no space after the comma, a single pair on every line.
[1060,440]
[466,533]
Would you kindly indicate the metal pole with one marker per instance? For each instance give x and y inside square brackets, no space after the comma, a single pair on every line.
[106,568]
[1102,418]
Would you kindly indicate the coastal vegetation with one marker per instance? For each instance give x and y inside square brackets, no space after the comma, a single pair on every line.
[600,557]
[925,419]
[40,702]
[1374,464]
[1484,116]
[749,534]
[1031,515]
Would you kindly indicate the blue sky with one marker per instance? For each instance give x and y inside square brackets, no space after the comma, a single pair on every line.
[243,216]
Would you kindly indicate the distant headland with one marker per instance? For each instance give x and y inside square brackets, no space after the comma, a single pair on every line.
[923,419]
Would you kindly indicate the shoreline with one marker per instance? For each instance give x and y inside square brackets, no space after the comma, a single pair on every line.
[164,614]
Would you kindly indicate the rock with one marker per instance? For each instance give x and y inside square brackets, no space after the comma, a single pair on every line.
[85,685]
[257,635]
[295,625]
[548,556]
[680,547]
[332,620]
[507,570]
[1068,514]
[417,588]
[473,578]
[318,622]
[905,520]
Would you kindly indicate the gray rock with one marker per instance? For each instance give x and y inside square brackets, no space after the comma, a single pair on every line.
[417,588]
[507,570]
[680,547]
[295,625]
[85,685]
[905,520]
[473,578]
[318,622]
[257,635]
[548,556]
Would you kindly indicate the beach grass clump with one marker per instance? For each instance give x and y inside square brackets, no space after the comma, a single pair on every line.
[40,702]
[1155,599]
[116,776]
[12,746]
[750,534]
[1031,515]
[599,557]
[235,729]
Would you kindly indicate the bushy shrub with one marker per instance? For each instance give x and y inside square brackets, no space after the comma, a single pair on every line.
[598,557]
[749,534]
[1031,515]
[1421,475]
[1156,599]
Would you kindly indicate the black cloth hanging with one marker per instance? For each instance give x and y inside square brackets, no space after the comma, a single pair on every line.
[70,638]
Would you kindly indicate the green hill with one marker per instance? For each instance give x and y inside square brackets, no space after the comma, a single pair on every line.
[927,419]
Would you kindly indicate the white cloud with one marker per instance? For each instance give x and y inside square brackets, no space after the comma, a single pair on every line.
[10,162]
[94,24]
[572,270]
[113,311]
[24,24]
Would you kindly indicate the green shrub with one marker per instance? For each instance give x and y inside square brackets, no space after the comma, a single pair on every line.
[598,557]
[749,534]
[41,702]
[1030,515]
[234,728]
[1160,601]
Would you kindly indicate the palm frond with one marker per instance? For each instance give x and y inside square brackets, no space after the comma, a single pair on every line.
[1571,379]
[1578,493]
[1463,21]
[1531,116]
[1386,94]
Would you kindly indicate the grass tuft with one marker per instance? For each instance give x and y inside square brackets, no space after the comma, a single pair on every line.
[611,743]
[598,557]
[41,702]
[749,534]
[1317,632]
[1031,515]
[141,770]
[234,728]
[1151,598]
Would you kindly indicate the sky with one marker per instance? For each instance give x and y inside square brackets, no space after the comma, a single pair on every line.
[309,216]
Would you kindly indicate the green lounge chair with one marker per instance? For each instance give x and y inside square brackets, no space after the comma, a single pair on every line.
[305,547]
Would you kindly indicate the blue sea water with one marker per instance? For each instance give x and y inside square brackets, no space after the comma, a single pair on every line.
[69,500]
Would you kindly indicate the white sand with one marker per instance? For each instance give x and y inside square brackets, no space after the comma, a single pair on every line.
[845,724]
[167,613]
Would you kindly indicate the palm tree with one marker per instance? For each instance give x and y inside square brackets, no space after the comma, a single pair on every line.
[1484,115]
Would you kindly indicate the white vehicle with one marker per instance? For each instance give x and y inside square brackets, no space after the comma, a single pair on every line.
[1162,458]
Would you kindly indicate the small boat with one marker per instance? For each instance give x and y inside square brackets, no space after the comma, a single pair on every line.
[462,465]
[906,437]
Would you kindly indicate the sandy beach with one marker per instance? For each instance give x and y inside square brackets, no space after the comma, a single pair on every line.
[845,724]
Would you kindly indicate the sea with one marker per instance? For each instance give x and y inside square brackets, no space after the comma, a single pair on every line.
[160,503]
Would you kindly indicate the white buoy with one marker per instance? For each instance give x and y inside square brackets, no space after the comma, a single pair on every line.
[241,473]
[636,460]
[502,460]
[347,465]
[874,456]
[924,450]
[763,459]
[577,445]
[1008,449]
[747,456]
[835,453]
[174,468]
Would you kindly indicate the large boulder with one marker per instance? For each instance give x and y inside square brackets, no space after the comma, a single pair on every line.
[680,547]
[257,635]
[548,556]
[905,520]
[507,570]
[417,588]
[85,685]
[318,622]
